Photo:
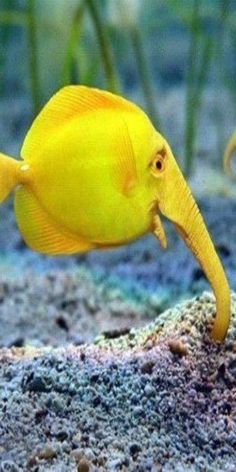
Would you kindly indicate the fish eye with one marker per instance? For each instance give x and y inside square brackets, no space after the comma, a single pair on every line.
[158,163]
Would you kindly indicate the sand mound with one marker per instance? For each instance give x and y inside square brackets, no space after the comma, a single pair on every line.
[158,398]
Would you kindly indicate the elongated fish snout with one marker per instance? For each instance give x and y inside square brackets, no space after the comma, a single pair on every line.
[180,207]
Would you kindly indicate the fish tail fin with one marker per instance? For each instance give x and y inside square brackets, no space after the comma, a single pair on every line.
[9,175]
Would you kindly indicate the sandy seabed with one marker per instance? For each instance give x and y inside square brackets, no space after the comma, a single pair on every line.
[158,398]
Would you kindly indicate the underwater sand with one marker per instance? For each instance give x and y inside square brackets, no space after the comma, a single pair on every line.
[160,398]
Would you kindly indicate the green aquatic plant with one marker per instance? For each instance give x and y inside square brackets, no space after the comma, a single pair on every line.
[104,46]
[128,14]
[143,70]
[27,21]
[76,67]
[229,75]
[33,56]
[8,19]
[13,18]
[223,15]
[73,59]
[33,22]
[205,48]
[88,24]
[199,56]
[72,44]
[198,63]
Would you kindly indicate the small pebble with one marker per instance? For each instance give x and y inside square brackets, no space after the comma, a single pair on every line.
[176,346]
[147,367]
[149,390]
[76,454]
[47,453]
[83,465]
[8,466]
[134,448]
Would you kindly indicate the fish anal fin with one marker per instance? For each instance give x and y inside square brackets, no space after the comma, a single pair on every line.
[69,102]
[39,232]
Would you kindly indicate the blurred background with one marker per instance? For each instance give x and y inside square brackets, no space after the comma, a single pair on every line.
[177,59]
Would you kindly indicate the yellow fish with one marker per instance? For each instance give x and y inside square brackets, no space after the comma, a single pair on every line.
[95,173]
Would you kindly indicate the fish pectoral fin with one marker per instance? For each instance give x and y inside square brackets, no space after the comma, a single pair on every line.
[38,230]
[123,169]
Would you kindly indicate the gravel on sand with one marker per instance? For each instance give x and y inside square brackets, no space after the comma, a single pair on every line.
[157,398]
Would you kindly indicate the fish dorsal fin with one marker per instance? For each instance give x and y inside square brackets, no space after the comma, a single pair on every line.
[66,104]
[40,232]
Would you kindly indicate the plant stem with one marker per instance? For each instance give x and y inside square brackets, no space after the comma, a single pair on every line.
[70,54]
[190,115]
[104,46]
[143,72]
[223,15]
[33,54]
[13,18]
[196,78]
